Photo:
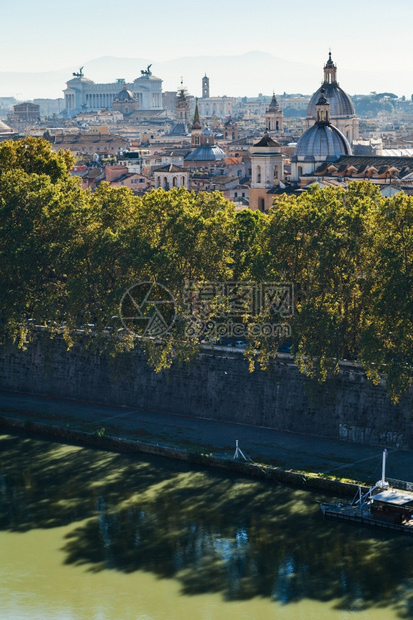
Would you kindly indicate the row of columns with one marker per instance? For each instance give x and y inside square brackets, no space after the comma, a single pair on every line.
[165,183]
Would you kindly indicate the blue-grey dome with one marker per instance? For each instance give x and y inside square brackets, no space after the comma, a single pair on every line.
[321,141]
[206,153]
[340,102]
[125,96]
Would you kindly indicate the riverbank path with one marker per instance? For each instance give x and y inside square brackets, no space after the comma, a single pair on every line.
[290,451]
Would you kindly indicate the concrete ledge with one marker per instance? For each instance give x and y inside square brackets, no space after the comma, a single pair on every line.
[119,444]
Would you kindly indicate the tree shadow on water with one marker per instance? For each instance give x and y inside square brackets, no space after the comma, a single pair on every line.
[247,539]
[211,531]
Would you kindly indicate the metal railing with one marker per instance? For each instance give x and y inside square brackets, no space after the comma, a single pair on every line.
[400,484]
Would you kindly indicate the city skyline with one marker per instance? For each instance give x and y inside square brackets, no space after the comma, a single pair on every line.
[370,52]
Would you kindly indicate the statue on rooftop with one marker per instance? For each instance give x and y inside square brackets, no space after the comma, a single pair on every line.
[80,74]
[147,71]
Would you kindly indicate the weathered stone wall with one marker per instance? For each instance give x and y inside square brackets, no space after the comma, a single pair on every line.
[216,385]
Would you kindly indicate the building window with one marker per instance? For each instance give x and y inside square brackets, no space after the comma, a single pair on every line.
[258,174]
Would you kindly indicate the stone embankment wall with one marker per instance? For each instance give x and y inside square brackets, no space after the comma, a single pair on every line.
[216,385]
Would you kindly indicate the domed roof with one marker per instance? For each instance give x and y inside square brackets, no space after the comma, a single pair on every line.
[5,128]
[125,96]
[206,153]
[322,141]
[340,102]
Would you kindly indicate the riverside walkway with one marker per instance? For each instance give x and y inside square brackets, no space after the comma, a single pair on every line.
[289,451]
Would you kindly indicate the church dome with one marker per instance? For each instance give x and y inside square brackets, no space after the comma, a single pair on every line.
[5,128]
[125,96]
[322,141]
[340,103]
[206,153]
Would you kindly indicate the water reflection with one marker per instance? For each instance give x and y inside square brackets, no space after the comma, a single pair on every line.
[212,533]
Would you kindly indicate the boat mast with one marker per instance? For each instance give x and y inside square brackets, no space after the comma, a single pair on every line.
[383,468]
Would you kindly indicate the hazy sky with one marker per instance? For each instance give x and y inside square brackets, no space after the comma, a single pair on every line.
[367,38]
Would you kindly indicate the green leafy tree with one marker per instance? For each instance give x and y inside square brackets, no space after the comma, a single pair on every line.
[35,156]
[387,340]
[322,243]
[35,224]
[248,228]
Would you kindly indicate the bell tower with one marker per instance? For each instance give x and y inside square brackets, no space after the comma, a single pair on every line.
[205,87]
[196,128]
[274,117]
[267,173]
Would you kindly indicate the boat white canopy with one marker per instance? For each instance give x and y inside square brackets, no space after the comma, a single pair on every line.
[393,496]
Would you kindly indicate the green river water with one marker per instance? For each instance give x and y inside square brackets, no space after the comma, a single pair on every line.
[87,534]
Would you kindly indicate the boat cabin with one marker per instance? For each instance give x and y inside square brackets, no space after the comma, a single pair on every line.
[392,505]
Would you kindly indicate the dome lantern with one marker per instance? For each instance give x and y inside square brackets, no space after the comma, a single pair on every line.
[322,109]
[330,71]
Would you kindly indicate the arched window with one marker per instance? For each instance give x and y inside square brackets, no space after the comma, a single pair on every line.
[158,182]
[174,181]
[261,204]
[258,174]
[182,181]
[277,125]
[275,174]
[300,171]
[165,183]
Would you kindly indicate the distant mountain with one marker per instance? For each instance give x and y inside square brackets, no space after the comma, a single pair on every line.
[244,75]
[240,75]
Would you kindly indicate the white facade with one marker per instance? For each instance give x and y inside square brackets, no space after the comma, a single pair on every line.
[84,95]
[222,107]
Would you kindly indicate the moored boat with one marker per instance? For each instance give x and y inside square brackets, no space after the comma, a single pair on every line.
[381,505]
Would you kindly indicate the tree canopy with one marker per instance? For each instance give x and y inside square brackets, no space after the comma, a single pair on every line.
[67,256]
